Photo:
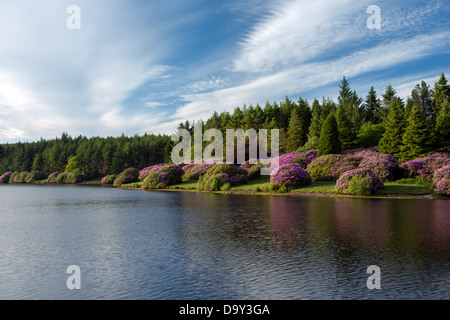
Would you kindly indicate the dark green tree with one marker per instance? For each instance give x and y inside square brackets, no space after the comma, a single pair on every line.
[392,140]
[294,139]
[372,107]
[416,139]
[346,128]
[441,134]
[441,93]
[329,142]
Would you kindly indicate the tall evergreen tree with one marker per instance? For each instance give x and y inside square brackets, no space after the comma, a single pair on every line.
[372,107]
[315,126]
[294,139]
[392,139]
[441,93]
[346,128]
[329,142]
[304,113]
[441,132]
[421,96]
[416,139]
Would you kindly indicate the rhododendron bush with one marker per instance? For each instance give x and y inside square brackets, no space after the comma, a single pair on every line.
[358,181]
[163,177]
[441,181]
[4,178]
[290,175]
[146,171]
[194,171]
[331,166]
[127,176]
[222,175]
[426,166]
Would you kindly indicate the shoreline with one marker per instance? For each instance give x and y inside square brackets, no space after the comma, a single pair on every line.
[251,192]
[295,194]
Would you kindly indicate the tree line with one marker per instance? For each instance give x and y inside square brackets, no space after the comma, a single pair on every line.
[95,156]
[405,129]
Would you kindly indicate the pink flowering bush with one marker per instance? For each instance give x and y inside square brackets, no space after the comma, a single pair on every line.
[53,177]
[441,181]
[163,177]
[4,178]
[331,166]
[194,171]
[19,177]
[359,181]
[109,179]
[222,177]
[127,176]
[301,157]
[425,167]
[290,175]
[146,171]
[385,166]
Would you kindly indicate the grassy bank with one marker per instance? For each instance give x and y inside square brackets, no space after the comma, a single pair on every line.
[400,188]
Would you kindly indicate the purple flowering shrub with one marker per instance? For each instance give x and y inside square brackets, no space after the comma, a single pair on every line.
[19,177]
[163,177]
[35,176]
[4,178]
[331,166]
[127,176]
[301,157]
[385,166]
[194,171]
[441,181]
[221,177]
[359,181]
[290,175]
[253,170]
[425,167]
[53,177]
[146,171]
[109,179]
[75,177]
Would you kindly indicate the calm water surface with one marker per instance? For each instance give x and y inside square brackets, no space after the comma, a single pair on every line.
[169,245]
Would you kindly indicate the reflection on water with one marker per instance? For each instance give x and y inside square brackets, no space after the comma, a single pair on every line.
[166,245]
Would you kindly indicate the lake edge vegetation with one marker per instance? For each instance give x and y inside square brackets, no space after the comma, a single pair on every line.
[361,144]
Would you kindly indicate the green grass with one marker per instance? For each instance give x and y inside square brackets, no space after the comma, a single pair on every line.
[94,181]
[412,187]
[185,185]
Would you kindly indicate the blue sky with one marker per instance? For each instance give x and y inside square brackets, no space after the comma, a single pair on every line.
[145,66]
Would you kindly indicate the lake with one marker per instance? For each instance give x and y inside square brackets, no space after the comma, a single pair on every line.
[132,244]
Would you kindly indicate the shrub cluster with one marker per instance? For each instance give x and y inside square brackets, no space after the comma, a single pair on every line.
[358,181]
[71,177]
[301,157]
[194,171]
[291,175]
[331,166]
[109,179]
[4,178]
[163,177]
[385,166]
[127,176]
[146,171]
[425,167]
[53,177]
[441,181]
[222,177]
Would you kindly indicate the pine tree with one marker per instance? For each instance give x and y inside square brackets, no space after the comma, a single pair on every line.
[372,107]
[294,139]
[441,132]
[421,96]
[346,128]
[416,139]
[315,126]
[304,113]
[329,142]
[345,93]
[392,139]
[441,93]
